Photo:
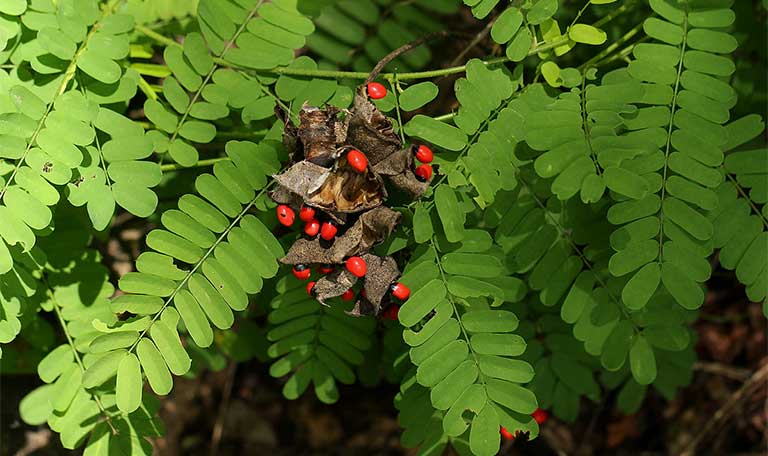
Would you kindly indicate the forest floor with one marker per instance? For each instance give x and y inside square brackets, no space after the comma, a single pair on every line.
[241,411]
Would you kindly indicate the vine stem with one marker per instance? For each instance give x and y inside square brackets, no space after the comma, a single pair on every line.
[360,74]
[199,164]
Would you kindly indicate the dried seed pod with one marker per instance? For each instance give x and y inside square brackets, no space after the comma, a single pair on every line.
[371,131]
[333,285]
[370,229]
[320,130]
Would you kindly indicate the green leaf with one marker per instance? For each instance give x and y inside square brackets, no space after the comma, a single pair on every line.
[617,346]
[194,318]
[168,343]
[103,369]
[489,321]
[13,7]
[417,95]
[451,215]
[513,370]
[422,224]
[642,361]
[641,287]
[515,397]
[99,67]
[625,182]
[484,433]
[154,366]
[472,265]
[506,25]
[108,342]
[521,44]
[421,302]
[436,132]
[685,290]
[587,34]
[541,11]
[129,384]
[55,362]
[36,407]
[497,344]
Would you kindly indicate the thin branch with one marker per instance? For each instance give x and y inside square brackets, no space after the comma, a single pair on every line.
[719,418]
[402,50]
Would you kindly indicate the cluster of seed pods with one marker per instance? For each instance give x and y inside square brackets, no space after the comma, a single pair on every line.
[336,189]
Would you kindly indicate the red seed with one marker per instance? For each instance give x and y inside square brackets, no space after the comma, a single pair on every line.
[376,91]
[507,435]
[424,154]
[311,228]
[540,416]
[391,312]
[423,172]
[400,291]
[311,288]
[301,272]
[357,266]
[328,231]
[348,295]
[325,269]
[285,215]
[306,213]
[357,160]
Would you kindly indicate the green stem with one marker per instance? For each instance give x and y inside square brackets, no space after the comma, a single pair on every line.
[594,61]
[148,32]
[199,164]
[614,14]
[359,74]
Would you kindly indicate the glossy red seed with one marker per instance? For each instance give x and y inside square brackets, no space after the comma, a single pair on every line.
[540,416]
[306,213]
[311,228]
[348,295]
[328,231]
[400,291]
[301,272]
[285,215]
[506,434]
[357,266]
[311,288]
[357,160]
[391,312]
[424,154]
[376,91]
[423,172]
[325,269]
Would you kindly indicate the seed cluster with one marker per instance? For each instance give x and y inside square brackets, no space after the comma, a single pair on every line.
[344,164]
